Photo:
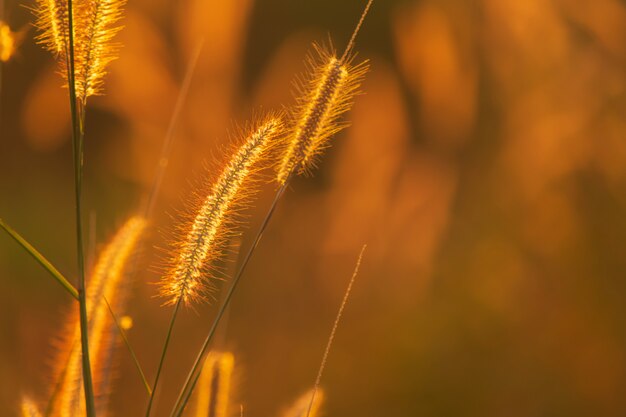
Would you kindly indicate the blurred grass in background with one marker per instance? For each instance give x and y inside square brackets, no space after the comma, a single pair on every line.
[485,168]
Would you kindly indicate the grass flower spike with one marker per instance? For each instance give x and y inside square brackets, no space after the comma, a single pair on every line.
[53,24]
[95,26]
[106,283]
[214,385]
[328,93]
[215,218]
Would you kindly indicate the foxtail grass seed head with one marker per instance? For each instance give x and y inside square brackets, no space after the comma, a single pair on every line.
[188,277]
[29,408]
[95,25]
[213,392]
[327,93]
[300,408]
[53,24]
[8,42]
[106,282]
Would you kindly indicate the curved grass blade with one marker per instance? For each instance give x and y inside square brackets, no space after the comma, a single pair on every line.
[41,259]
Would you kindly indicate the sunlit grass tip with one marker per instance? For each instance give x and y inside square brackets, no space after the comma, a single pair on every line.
[322,97]
[95,23]
[189,276]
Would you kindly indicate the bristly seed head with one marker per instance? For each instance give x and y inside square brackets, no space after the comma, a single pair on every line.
[323,99]
[94,24]
[188,277]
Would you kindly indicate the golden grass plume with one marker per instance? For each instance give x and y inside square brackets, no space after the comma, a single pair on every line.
[322,97]
[213,392]
[8,42]
[95,24]
[106,284]
[188,276]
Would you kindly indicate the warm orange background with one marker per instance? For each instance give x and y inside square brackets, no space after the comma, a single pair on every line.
[485,168]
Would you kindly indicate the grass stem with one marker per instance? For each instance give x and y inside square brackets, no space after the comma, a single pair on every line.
[162,359]
[78,123]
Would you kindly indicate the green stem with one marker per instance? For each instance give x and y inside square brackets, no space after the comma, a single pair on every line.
[162,360]
[78,132]
[192,376]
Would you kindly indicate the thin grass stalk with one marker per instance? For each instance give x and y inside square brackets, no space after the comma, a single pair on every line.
[78,132]
[166,344]
[169,136]
[331,338]
[129,347]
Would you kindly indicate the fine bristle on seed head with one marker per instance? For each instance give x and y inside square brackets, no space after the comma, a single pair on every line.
[321,100]
[189,276]
[53,24]
[95,24]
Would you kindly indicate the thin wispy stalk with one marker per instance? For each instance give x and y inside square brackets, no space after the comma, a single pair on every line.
[40,259]
[333,331]
[164,155]
[130,349]
[320,129]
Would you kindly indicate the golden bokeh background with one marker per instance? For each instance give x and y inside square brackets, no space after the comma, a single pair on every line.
[485,168]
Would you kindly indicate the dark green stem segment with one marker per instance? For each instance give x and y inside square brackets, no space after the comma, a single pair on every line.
[162,360]
[194,373]
[78,133]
